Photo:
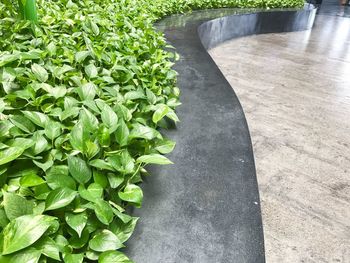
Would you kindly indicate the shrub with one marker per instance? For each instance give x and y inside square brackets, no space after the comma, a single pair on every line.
[82,96]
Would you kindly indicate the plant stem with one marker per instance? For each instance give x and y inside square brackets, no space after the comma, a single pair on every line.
[28,10]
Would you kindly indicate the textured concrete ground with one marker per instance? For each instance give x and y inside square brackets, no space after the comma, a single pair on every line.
[295,91]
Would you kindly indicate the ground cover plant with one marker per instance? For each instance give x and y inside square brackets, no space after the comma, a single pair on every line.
[83,93]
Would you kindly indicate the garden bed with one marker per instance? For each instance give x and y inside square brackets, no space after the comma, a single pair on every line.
[83,95]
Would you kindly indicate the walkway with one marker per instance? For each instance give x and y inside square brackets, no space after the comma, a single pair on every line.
[295,91]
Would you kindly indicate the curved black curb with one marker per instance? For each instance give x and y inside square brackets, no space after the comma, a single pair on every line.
[205,208]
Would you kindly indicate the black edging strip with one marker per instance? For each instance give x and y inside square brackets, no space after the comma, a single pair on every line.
[205,208]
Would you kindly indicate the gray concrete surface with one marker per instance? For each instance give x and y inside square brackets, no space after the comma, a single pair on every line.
[295,91]
[206,207]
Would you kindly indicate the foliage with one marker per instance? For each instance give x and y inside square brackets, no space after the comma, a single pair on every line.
[82,97]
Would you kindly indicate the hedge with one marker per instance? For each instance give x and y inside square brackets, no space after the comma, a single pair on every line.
[83,94]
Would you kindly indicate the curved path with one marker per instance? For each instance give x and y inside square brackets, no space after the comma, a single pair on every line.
[206,208]
[295,91]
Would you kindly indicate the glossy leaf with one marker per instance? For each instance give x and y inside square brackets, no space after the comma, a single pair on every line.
[165,146]
[104,241]
[103,212]
[59,198]
[39,72]
[132,193]
[109,117]
[122,133]
[81,55]
[24,231]
[161,111]
[79,169]
[16,205]
[91,71]
[87,91]
[9,154]
[73,258]
[29,255]
[37,118]
[153,159]
[31,180]
[113,256]
[57,177]
[48,247]
[76,221]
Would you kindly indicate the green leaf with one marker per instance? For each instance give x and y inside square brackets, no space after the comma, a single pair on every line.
[59,198]
[115,180]
[134,95]
[40,73]
[52,129]
[81,56]
[3,218]
[78,136]
[29,255]
[92,149]
[73,258]
[100,178]
[87,91]
[57,177]
[165,146]
[144,132]
[89,120]
[48,247]
[76,221]
[123,231]
[101,164]
[109,117]
[123,217]
[113,256]
[16,205]
[21,142]
[9,154]
[172,115]
[8,58]
[122,162]
[56,92]
[91,71]
[161,111]
[79,169]
[103,212]
[132,193]
[41,191]
[95,28]
[45,165]
[31,180]
[78,242]
[40,144]
[154,159]
[24,231]
[52,48]
[151,97]
[104,241]
[60,71]
[23,123]
[95,190]
[37,118]
[103,136]
[69,113]
[122,133]
[2,105]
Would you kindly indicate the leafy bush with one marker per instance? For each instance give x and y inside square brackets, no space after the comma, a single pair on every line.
[82,96]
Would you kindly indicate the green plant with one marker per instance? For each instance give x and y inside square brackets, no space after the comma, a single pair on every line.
[27,9]
[83,94]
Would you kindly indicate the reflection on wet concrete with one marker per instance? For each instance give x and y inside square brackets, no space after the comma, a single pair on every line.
[333,7]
